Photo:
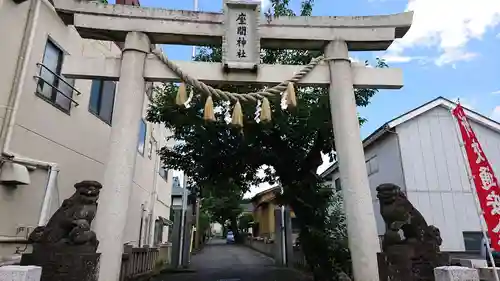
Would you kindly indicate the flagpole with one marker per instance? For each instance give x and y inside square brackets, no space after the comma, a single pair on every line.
[472,186]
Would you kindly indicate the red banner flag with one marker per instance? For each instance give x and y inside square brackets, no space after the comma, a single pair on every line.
[485,180]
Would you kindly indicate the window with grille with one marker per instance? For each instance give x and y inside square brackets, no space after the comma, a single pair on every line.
[52,86]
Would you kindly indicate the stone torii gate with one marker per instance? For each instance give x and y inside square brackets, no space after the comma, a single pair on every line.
[138,27]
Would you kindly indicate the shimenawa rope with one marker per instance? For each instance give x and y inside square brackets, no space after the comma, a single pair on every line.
[208,90]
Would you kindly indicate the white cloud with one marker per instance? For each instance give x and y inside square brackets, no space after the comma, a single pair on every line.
[448,25]
[454,56]
[354,59]
[496,92]
[495,115]
[397,58]
[391,57]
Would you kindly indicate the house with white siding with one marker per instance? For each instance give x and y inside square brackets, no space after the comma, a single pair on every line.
[420,152]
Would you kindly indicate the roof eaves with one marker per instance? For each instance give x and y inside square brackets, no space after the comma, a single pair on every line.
[439,101]
[271,189]
[389,125]
[448,104]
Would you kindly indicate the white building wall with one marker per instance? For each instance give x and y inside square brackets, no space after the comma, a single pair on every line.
[435,178]
[383,166]
[164,186]
[435,173]
[144,194]
[77,142]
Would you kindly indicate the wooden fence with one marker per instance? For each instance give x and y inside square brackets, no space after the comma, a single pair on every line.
[137,262]
[263,246]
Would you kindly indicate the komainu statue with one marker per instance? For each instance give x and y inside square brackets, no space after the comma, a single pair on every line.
[70,224]
[410,247]
[66,248]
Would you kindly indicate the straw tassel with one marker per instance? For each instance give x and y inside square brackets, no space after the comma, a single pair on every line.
[265,114]
[237,119]
[290,90]
[208,113]
[181,97]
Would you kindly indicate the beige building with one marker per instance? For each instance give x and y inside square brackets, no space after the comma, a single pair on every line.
[59,130]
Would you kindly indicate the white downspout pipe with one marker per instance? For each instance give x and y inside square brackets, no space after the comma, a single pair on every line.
[47,199]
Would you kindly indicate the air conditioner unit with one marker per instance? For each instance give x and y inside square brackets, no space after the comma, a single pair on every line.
[13,174]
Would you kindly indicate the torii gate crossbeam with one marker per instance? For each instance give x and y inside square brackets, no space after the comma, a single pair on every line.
[78,67]
[163,26]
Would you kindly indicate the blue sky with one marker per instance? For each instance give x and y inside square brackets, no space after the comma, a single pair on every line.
[451,50]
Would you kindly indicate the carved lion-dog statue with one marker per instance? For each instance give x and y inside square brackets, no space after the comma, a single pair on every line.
[70,224]
[410,245]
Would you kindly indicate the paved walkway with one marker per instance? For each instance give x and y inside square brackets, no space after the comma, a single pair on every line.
[221,262]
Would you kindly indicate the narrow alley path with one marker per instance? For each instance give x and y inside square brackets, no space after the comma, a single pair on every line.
[221,262]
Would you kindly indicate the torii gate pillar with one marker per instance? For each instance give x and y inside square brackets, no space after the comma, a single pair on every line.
[119,172]
[361,225]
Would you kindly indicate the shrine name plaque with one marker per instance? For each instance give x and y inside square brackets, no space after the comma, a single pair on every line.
[241,41]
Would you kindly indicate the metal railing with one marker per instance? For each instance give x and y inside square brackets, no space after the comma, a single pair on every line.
[137,262]
[61,79]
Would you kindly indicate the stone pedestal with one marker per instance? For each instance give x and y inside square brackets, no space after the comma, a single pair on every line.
[487,273]
[278,237]
[176,236]
[288,237]
[186,244]
[68,265]
[399,266]
[455,273]
[472,263]
[20,273]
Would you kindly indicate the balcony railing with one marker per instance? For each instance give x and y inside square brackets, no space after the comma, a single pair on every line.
[56,88]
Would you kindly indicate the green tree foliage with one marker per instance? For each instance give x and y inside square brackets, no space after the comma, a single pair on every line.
[222,203]
[204,224]
[222,161]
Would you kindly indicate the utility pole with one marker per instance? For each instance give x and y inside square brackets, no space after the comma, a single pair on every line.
[183,221]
